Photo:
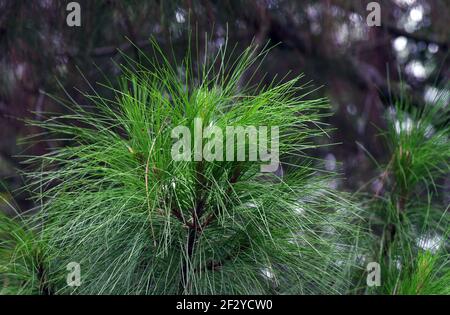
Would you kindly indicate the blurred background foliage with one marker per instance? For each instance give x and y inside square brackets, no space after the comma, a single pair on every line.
[359,68]
[328,40]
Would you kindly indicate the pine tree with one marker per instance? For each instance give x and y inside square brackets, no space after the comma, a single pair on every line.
[410,209]
[114,200]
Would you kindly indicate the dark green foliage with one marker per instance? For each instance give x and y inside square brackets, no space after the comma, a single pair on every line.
[21,269]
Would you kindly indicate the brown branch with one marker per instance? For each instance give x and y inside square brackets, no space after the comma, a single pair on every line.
[193,232]
[106,51]
[42,277]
